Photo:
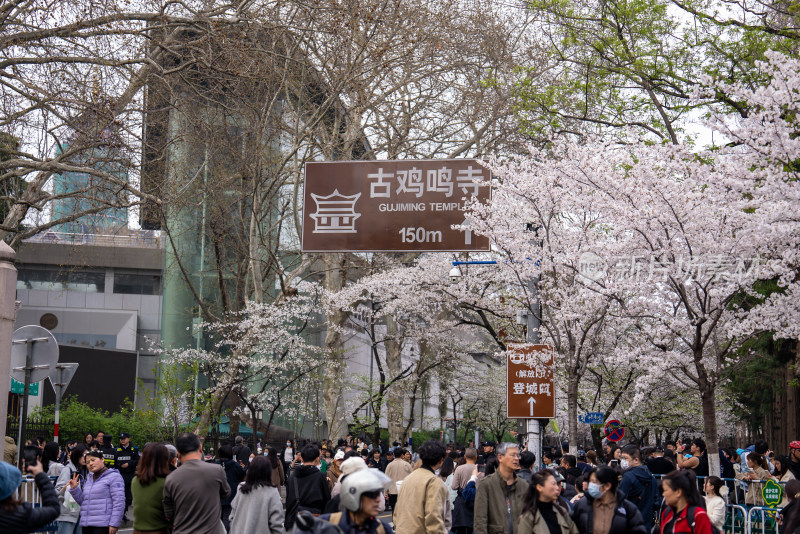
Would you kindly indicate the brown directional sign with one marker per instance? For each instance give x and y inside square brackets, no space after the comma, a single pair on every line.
[531,390]
[383,206]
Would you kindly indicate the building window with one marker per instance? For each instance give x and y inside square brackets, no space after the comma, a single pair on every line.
[137,284]
[52,280]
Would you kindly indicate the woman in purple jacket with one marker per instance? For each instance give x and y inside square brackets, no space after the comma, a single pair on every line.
[102,498]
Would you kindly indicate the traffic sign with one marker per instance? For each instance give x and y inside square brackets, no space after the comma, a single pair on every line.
[34,352]
[378,206]
[18,388]
[591,418]
[530,386]
[772,492]
[62,375]
[43,352]
[614,430]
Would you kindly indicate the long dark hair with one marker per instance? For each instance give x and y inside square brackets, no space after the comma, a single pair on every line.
[447,468]
[273,457]
[50,455]
[686,481]
[259,473]
[76,454]
[154,463]
[716,484]
[531,501]
[784,465]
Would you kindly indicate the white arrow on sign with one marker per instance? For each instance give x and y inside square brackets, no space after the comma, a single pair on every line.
[467,232]
[531,402]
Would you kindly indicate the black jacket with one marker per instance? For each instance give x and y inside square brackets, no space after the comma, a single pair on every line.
[306,489]
[660,466]
[627,518]
[380,464]
[234,474]
[788,513]
[794,467]
[640,486]
[242,453]
[126,455]
[28,519]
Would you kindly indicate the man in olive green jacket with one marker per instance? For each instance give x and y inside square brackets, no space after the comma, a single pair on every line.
[500,496]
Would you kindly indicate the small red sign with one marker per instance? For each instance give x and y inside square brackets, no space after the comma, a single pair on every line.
[614,430]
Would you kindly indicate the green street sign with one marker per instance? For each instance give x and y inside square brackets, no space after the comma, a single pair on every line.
[772,492]
[19,388]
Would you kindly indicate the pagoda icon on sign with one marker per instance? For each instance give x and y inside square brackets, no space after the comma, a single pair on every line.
[517,358]
[336,213]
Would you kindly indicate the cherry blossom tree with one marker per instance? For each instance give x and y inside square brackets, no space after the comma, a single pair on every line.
[405,306]
[675,236]
[541,228]
[261,355]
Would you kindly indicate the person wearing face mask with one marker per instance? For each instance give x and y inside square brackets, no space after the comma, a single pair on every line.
[604,509]
[287,455]
[638,483]
[542,511]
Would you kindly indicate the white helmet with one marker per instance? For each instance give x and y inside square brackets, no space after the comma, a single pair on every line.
[360,482]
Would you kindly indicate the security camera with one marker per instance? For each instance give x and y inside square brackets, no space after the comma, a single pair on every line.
[455,275]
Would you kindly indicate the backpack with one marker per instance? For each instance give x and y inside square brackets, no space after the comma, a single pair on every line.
[690,519]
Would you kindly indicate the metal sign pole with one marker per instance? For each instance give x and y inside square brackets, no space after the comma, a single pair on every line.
[59,386]
[535,426]
[24,416]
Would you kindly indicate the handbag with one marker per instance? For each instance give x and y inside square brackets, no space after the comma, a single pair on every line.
[70,504]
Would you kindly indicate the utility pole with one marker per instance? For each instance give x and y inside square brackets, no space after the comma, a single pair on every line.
[535,426]
[534,321]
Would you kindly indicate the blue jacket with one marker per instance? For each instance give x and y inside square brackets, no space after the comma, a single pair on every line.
[102,501]
[639,485]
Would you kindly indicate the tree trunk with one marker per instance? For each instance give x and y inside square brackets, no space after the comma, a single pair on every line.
[572,413]
[395,400]
[597,438]
[710,427]
[333,387]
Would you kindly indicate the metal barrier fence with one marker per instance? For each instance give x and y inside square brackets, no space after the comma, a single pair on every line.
[29,492]
[762,519]
[741,517]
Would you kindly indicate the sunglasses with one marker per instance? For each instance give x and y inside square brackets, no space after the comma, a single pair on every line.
[371,494]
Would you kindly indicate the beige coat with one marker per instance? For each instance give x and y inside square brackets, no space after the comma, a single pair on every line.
[529,525]
[421,504]
[398,469]
[753,495]
[10,451]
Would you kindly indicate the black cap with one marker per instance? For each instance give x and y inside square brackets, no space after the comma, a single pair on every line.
[124,435]
[488,444]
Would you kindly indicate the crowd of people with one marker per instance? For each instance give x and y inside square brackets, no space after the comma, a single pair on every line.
[354,487]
